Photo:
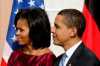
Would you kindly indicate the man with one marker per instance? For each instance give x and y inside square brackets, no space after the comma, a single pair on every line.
[67,32]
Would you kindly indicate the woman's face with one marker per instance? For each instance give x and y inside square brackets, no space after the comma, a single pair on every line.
[23,32]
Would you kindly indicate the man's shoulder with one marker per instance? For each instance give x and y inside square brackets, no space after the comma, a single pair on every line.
[83,56]
[89,53]
[85,51]
[88,57]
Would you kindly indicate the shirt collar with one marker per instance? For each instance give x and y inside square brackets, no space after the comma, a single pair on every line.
[70,51]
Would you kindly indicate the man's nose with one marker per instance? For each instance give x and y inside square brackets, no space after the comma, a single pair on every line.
[53,29]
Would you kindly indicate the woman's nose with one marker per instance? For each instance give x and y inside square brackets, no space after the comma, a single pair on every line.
[17,33]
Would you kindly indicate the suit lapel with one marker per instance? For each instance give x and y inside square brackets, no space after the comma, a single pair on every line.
[58,60]
[73,60]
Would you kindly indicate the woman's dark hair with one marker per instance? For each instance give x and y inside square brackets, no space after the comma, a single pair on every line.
[39,26]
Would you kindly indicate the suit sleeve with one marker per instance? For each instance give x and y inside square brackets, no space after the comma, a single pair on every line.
[93,62]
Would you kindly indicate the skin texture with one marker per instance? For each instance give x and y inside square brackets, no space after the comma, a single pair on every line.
[60,31]
[62,35]
[23,32]
[23,39]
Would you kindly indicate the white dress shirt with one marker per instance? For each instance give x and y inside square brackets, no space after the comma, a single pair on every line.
[70,51]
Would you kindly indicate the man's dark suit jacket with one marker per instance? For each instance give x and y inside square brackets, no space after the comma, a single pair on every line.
[81,57]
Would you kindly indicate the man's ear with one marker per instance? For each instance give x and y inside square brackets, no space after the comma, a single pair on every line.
[74,31]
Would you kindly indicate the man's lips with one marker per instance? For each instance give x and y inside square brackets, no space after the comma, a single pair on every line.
[54,36]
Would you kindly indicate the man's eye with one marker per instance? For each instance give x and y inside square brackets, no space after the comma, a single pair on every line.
[56,26]
[21,30]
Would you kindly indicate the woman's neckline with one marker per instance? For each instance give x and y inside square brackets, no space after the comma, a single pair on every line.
[35,55]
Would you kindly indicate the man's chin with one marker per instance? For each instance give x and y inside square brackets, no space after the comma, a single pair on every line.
[55,43]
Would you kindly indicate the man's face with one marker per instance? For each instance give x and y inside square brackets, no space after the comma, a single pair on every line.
[61,33]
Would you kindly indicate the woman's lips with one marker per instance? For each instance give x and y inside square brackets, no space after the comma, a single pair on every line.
[18,38]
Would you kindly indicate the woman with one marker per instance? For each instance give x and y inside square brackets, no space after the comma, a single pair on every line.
[33,31]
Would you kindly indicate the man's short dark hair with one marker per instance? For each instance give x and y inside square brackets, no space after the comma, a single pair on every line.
[39,26]
[74,18]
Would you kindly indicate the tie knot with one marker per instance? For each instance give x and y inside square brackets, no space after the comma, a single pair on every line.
[64,55]
[63,59]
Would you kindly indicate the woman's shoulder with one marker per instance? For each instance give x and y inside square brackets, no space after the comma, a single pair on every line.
[18,51]
[48,52]
[15,54]
[50,55]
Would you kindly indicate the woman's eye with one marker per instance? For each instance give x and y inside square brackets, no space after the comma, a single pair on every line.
[17,29]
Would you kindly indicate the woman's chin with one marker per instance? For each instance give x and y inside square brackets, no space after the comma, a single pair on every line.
[21,43]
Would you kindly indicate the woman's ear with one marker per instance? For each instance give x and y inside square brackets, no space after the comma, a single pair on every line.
[74,31]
